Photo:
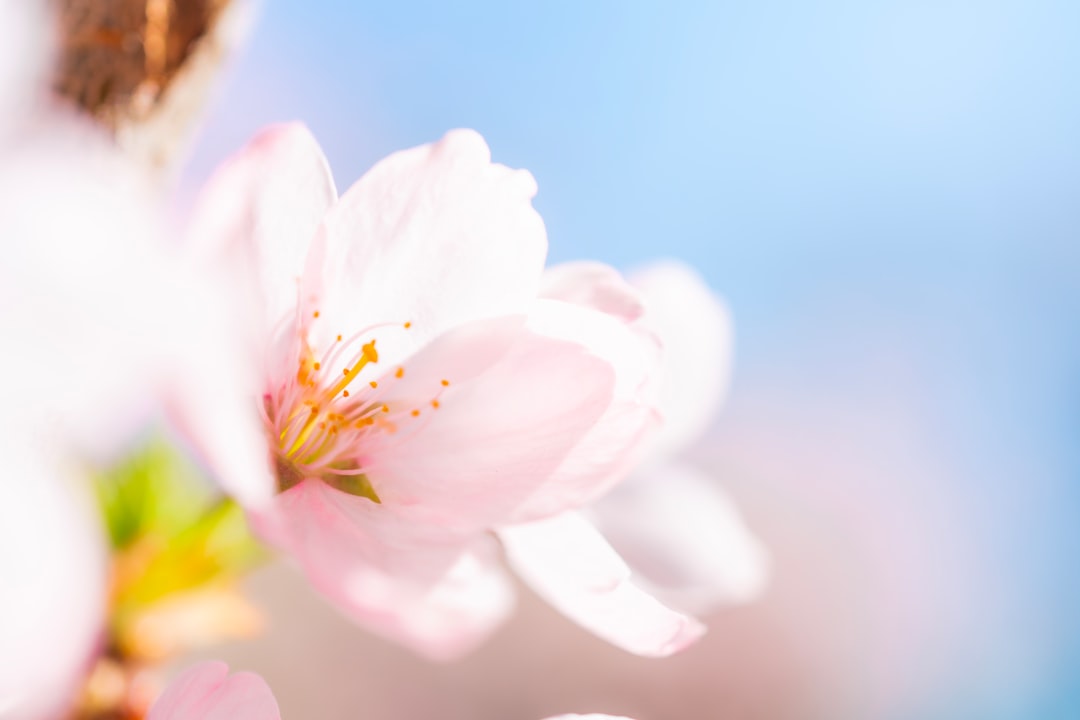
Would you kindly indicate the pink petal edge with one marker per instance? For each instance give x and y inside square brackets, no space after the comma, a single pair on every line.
[206,691]
[437,236]
[568,563]
[438,593]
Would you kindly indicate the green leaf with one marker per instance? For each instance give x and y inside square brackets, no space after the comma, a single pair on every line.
[170,530]
[156,490]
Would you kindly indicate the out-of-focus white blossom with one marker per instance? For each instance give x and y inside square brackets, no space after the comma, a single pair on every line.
[682,537]
[104,329]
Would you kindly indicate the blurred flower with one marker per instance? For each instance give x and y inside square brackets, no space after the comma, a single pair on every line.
[681,535]
[103,339]
[24,44]
[105,330]
[206,691]
[53,572]
[418,395]
[178,551]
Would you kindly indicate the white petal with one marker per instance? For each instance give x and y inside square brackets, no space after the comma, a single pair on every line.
[569,564]
[53,575]
[436,236]
[683,538]
[258,215]
[694,328]
[593,285]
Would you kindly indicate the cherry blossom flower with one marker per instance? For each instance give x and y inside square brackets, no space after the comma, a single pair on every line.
[206,691]
[418,395]
[682,536]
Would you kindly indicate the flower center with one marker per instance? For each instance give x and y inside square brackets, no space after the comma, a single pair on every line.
[327,418]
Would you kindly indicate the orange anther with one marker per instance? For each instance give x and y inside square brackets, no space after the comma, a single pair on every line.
[386,408]
[315,314]
[345,393]
[339,338]
[445,383]
[408,325]
[318,365]
[400,372]
[435,404]
[416,413]
[373,384]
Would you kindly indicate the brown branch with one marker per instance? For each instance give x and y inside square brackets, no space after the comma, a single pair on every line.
[143,68]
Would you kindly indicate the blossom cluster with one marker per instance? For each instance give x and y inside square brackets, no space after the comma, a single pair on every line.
[389,384]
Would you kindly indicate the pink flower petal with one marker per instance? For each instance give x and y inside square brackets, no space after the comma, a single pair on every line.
[429,589]
[254,223]
[589,717]
[259,213]
[694,328]
[683,538]
[436,236]
[569,564]
[594,285]
[604,455]
[206,691]
[496,437]
[207,403]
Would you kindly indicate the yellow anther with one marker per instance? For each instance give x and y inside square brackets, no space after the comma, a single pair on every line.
[370,354]
[408,325]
